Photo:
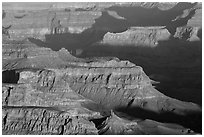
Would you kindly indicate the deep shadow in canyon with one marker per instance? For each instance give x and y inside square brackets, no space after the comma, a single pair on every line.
[176,64]
[10,76]
[192,121]
[135,16]
[139,16]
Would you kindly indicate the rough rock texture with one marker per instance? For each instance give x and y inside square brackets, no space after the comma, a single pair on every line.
[41,19]
[43,97]
[114,125]
[138,36]
[28,55]
[54,18]
[187,33]
[42,121]
[53,92]
[37,25]
[191,30]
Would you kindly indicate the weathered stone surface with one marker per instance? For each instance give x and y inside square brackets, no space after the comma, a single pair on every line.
[194,24]
[38,19]
[53,92]
[54,18]
[42,121]
[115,125]
[63,99]
[28,55]
[137,36]
[187,33]
[101,82]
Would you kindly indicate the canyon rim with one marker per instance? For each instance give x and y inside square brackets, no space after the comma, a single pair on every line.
[101,68]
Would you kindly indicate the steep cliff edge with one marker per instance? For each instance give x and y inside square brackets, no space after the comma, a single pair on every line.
[138,36]
[192,30]
[67,96]
[53,92]
[47,18]
[38,20]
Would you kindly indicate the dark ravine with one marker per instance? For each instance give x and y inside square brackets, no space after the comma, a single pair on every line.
[47,90]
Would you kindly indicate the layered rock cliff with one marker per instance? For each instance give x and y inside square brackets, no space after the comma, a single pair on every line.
[53,92]
[55,18]
[138,36]
[42,96]
[41,19]
[191,31]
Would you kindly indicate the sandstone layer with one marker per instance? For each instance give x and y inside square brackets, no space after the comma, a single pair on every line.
[53,92]
[138,36]
[43,97]
[54,18]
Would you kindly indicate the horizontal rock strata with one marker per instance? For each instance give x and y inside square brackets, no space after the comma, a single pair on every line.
[72,89]
[55,18]
[138,36]
[52,92]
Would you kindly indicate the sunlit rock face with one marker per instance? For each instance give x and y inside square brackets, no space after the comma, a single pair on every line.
[159,5]
[191,32]
[37,24]
[196,20]
[187,33]
[46,92]
[137,36]
[69,94]
[36,20]
[40,19]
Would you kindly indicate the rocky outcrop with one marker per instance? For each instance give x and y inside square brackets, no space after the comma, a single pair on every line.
[187,33]
[196,20]
[28,55]
[191,30]
[53,92]
[68,94]
[137,36]
[38,20]
[115,125]
[42,121]
[38,104]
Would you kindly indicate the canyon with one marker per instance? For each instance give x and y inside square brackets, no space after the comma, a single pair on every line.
[101,68]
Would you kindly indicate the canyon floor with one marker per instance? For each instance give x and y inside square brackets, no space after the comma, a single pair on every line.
[102,68]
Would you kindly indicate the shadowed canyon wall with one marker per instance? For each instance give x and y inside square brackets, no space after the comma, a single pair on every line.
[101,68]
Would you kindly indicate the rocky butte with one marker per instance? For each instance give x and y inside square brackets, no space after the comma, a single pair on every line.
[46,92]
[141,36]
[151,35]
